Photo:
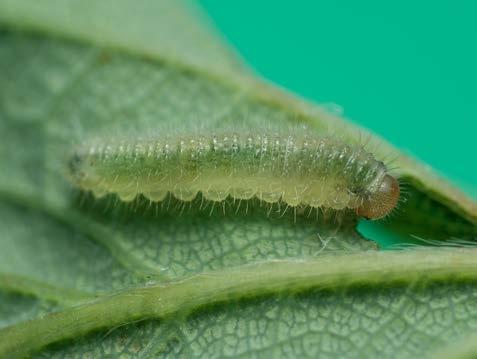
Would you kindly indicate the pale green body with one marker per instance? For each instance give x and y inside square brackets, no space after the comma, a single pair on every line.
[298,170]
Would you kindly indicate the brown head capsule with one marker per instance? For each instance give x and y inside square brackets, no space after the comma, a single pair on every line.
[382,202]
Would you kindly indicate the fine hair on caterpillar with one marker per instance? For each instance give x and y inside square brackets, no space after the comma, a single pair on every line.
[112,205]
[298,170]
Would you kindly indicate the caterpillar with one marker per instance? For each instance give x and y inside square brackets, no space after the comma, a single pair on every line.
[295,169]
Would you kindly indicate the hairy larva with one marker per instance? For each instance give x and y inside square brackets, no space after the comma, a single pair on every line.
[294,169]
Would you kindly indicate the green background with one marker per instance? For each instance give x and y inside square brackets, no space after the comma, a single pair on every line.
[407,70]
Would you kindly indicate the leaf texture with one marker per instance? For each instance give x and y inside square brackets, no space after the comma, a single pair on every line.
[85,70]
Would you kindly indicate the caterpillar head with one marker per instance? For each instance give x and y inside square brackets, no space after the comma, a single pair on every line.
[383,201]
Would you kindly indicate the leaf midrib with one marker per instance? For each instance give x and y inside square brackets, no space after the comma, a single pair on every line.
[332,271]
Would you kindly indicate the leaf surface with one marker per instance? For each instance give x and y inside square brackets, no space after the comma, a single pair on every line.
[92,70]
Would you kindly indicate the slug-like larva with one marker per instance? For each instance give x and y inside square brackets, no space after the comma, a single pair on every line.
[297,170]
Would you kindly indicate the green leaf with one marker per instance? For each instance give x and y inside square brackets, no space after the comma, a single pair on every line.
[86,277]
